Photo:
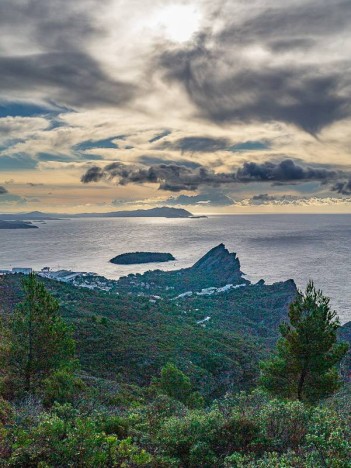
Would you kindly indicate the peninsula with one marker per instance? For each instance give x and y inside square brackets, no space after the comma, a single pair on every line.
[16,225]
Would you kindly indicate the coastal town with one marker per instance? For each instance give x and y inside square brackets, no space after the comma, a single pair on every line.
[81,279]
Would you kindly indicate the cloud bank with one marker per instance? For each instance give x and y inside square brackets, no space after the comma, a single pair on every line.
[175,178]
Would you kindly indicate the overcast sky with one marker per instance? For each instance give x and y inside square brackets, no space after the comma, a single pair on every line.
[216,106]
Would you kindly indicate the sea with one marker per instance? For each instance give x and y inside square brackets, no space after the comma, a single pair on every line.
[272,247]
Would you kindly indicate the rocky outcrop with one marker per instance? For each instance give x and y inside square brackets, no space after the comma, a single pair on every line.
[141,257]
[220,264]
[217,268]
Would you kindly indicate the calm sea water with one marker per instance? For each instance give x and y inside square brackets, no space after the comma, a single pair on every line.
[273,247]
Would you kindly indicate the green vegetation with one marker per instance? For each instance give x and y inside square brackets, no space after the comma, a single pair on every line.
[141,257]
[189,399]
[127,339]
[174,383]
[308,352]
[35,343]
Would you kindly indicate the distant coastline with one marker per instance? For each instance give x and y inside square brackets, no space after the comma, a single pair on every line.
[160,212]
[16,225]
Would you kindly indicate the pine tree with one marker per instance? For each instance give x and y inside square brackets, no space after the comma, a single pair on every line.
[36,342]
[305,364]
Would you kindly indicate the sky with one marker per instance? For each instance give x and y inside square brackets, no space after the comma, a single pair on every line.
[213,106]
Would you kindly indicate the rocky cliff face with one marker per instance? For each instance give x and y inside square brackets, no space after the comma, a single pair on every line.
[217,268]
[220,264]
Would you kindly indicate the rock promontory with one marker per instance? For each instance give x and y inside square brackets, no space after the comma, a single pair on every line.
[221,264]
[217,268]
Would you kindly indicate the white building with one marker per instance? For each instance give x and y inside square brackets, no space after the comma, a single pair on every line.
[5,272]
[24,271]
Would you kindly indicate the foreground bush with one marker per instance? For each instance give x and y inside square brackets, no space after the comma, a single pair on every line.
[64,438]
[247,430]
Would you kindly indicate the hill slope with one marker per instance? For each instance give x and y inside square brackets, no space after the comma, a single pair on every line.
[217,339]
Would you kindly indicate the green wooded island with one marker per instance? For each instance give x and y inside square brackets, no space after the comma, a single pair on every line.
[141,257]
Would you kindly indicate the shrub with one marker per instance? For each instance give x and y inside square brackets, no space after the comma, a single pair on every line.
[178,436]
[330,439]
[207,432]
[62,387]
[126,454]
[114,425]
[284,424]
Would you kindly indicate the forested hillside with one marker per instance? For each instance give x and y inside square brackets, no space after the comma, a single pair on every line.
[128,338]
[98,379]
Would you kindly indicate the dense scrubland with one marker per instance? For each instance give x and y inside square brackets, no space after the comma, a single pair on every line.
[92,379]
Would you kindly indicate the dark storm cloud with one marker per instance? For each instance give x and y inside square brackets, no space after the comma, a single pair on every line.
[171,177]
[307,99]
[175,178]
[293,21]
[197,144]
[63,69]
[62,74]
[93,174]
[3,190]
[342,187]
[227,85]
[283,171]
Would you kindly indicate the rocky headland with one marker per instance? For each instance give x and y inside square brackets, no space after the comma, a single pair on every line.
[217,268]
[16,225]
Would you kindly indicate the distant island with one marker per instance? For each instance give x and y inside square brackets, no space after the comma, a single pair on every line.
[160,212]
[31,216]
[141,257]
[16,225]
